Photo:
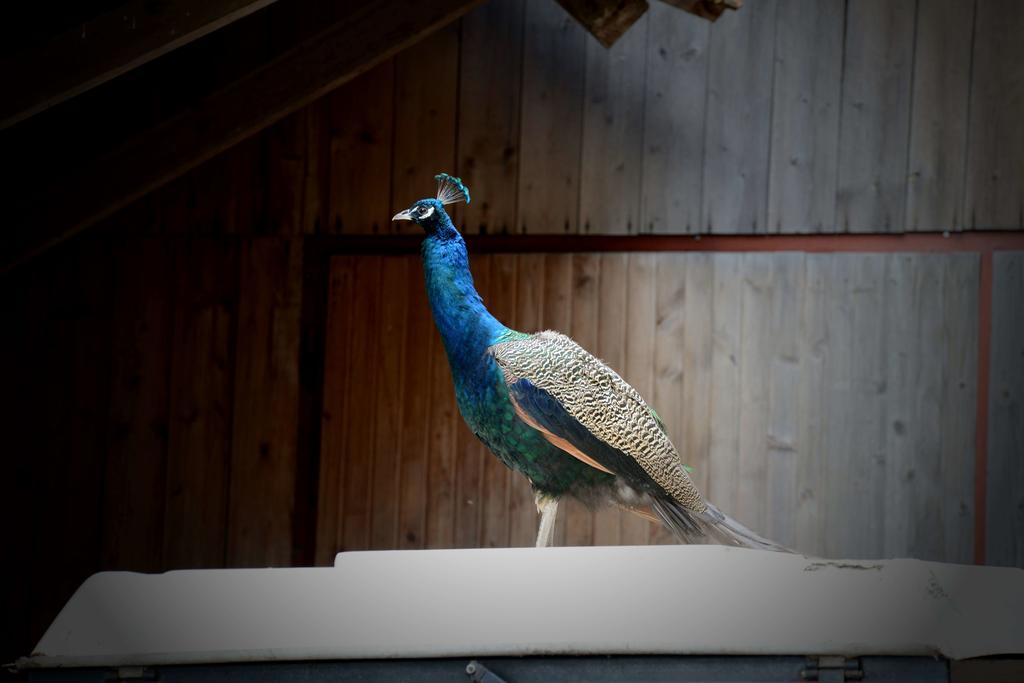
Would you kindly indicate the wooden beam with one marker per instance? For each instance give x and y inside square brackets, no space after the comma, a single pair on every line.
[705,9]
[106,47]
[606,20]
[370,33]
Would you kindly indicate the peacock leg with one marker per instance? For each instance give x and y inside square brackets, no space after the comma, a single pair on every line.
[548,509]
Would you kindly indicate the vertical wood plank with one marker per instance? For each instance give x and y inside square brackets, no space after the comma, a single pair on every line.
[723,462]
[755,363]
[361,115]
[959,388]
[737,128]
[641,322]
[68,482]
[557,315]
[812,407]
[134,481]
[360,414]
[938,125]
[265,415]
[199,440]
[551,123]
[671,299]
[611,347]
[805,116]
[875,115]
[337,370]
[470,452]
[523,516]
[853,455]
[675,91]
[995,153]
[317,168]
[1005,500]
[388,399]
[613,122]
[426,79]
[781,438]
[285,187]
[579,519]
[494,532]
[488,159]
[422,351]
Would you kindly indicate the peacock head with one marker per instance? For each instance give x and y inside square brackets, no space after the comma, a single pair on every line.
[429,213]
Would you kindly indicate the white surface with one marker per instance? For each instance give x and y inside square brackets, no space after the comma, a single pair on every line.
[520,601]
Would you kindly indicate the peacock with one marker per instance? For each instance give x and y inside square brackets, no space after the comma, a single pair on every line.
[550,410]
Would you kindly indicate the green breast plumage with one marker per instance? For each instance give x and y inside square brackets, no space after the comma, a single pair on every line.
[486,406]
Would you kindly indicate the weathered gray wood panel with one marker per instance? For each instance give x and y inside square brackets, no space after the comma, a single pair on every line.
[738,124]
[875,116]
[938,125]
[613,124]
[995,156]
[1005,509]
[673,136]
[489,110]
[551,124]
[805,116]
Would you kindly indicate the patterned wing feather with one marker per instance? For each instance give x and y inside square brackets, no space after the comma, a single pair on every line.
[563,377]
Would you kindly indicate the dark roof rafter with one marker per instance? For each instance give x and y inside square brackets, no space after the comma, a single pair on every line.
[105,47]
[372,31]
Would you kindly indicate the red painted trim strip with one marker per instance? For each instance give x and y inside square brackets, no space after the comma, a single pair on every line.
[868,243]
[981,419]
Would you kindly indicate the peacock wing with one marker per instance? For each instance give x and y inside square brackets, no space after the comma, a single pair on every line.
[582,406]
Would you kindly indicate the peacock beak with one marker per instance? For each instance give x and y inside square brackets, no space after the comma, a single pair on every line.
[402,216]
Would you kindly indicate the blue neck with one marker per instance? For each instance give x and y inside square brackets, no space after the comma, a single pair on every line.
[466,326]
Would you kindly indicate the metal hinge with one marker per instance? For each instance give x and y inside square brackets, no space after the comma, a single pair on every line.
[132,673]
[478,673]
[832,669]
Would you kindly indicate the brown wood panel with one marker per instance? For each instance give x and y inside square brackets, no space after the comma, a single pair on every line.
[337,370]
[361,415]
[805,116]
[426,99]
[995,149]
[68,460]
[613,123]
[136,461]
[673,138]
[551,121]
[490,81]
[738,124]
[1005,498]
[875,116]
[938,124]
[421,347]
[201,391]
[361,115]
[387,398]
[265,404]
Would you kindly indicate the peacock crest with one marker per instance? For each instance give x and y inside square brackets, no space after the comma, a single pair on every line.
[450,189]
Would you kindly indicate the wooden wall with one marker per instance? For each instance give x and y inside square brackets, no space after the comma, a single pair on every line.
[826,400]
[164,375]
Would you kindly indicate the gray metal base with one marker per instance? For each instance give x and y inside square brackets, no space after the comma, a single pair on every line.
[532,669]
